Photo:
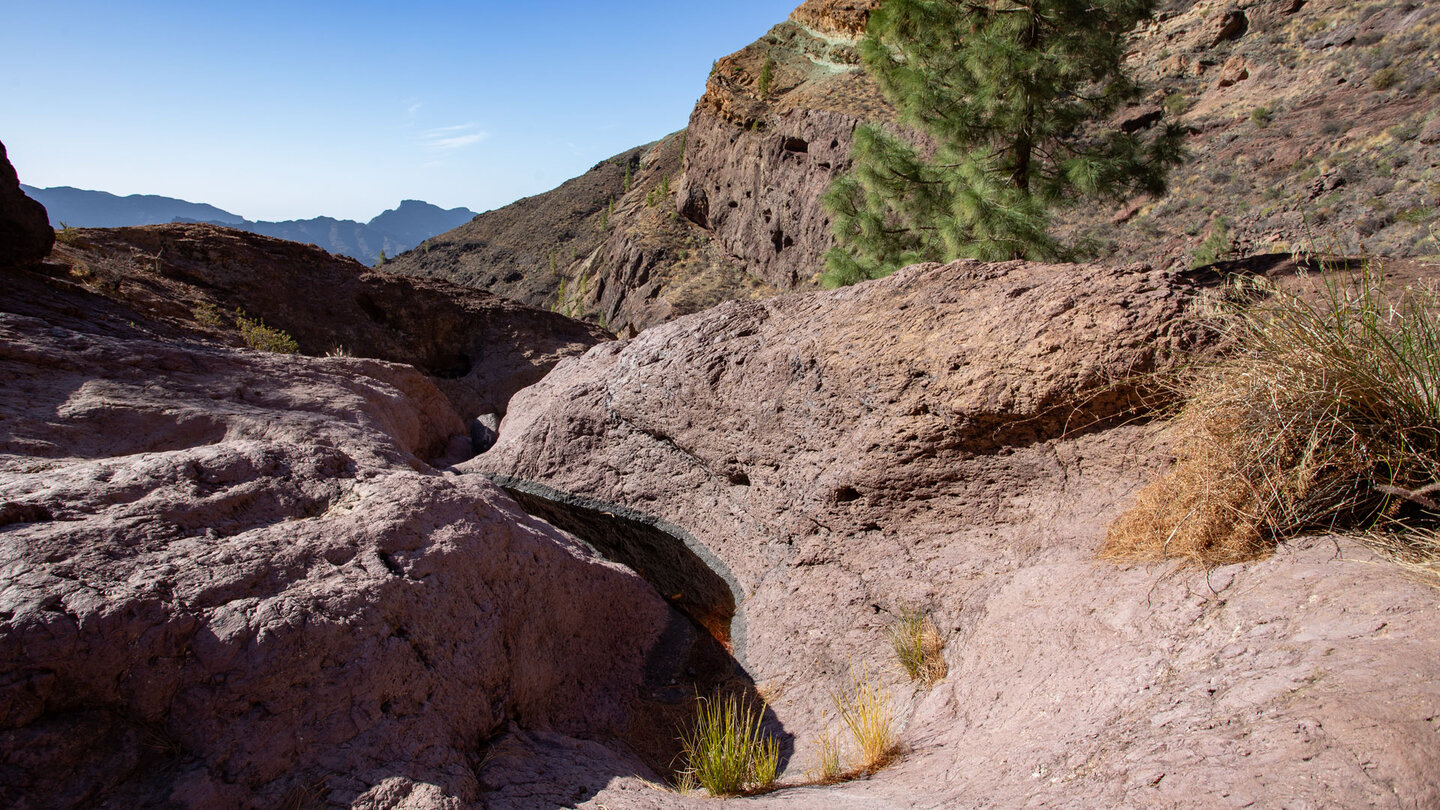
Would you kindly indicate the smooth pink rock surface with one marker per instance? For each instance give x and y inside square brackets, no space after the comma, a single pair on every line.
[955,437]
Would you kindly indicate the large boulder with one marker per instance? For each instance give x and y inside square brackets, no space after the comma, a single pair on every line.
[956,438]
[25,233]
[234,579]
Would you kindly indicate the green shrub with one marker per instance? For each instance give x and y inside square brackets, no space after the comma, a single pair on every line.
[1218,245]
[767,76]
[1260,116]
[260,337]
[1176,104]
[208,315]
[727,752]
[1385,78]
[658,194]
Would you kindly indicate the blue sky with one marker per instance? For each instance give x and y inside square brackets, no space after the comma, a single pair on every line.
[283,110]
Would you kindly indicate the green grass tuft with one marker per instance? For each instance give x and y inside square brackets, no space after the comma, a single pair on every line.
[727,752]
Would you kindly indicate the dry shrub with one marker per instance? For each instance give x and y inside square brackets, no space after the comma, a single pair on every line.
[1323,415]
[918,645]
[865,710]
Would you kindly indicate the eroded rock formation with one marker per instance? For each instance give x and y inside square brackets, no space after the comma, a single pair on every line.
[478,348]
[25,234]
[235,579]
[762,152]
[957,438]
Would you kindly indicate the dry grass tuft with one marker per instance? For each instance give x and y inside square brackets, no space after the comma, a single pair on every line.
[828,768]
[865,710]
[918,645]
[1324,416]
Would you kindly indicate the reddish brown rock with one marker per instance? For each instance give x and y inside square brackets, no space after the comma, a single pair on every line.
[1234,71]
[479,348]
[953,437]
[1229,24]
[25,233]
[756,164]
[845,18]
[232,580]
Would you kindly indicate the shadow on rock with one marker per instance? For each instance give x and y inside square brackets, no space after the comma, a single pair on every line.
[701,651]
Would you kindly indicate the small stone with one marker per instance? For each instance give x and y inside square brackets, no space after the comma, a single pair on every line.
[1235,70]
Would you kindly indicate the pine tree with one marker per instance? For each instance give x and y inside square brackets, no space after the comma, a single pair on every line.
[1009,95]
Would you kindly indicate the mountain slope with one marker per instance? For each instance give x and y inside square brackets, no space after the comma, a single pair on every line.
[392,232]
[1312,126]
[82,208]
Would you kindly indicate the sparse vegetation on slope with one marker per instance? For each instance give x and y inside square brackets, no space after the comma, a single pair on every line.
[1324,415]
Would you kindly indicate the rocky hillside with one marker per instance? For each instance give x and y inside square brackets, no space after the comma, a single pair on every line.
[239,288]
[251,579]
[1312,126]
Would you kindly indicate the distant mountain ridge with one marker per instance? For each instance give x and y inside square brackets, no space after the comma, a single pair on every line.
[392,232]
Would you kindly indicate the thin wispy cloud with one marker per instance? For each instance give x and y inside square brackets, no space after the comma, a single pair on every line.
[445,139]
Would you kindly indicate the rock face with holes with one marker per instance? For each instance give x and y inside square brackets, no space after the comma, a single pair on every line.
[478,348]
[235,579]
[957,438]
[25,234]
[761,152]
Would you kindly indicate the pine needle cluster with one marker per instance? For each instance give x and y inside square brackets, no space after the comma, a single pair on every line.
[1005,96]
